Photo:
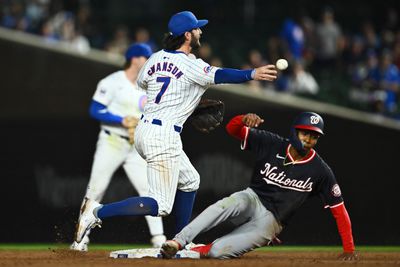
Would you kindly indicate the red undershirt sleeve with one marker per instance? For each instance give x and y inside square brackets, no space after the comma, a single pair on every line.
[344,227]
[236,128]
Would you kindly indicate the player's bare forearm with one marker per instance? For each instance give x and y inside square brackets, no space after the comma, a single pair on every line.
[266,73]
[252,120]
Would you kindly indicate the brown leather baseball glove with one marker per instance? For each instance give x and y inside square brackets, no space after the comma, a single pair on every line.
[208,115]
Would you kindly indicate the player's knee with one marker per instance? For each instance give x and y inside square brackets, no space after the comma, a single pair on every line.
[192,185]
[232,203]
[195,184]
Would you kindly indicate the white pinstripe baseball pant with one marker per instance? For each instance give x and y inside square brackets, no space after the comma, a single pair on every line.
[168,167]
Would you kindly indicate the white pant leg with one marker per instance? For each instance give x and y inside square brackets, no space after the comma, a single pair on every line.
[189,178]
[161,147]
[111,151]
[136,169]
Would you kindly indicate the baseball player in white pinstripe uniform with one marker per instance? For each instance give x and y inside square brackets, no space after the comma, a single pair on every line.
[118,104]
[174,82]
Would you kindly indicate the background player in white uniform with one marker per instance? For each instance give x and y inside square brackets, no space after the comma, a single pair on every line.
[174,82]
[118,104]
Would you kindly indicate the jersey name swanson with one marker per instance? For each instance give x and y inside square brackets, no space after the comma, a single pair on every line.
[165,66]
[279,179]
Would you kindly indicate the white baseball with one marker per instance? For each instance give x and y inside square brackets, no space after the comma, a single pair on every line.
[282,64]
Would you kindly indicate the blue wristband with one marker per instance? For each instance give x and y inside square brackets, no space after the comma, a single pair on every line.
[253,73]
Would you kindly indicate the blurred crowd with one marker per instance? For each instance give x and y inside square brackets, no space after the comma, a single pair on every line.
[354,67]
[326,59]
[75,30]
[48,20]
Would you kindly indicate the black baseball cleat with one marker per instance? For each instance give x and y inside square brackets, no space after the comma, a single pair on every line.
[169,249]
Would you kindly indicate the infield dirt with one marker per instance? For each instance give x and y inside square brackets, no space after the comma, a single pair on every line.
[66,258]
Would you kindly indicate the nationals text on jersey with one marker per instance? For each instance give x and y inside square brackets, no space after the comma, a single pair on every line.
[272,177]
[165,66]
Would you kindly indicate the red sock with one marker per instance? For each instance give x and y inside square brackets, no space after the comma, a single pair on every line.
[203,250]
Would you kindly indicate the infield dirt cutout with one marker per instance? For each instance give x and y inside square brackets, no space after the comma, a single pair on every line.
[100,258]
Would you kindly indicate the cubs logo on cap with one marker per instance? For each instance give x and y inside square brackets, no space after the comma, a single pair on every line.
[183,22]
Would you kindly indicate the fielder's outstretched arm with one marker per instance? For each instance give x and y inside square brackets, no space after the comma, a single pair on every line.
[264,73]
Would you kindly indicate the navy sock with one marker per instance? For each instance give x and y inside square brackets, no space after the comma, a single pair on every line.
[182,209]
[129,206]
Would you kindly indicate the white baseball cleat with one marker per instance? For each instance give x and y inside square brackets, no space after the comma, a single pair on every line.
[158,240]
[169,249]
[82,246]
[87,220]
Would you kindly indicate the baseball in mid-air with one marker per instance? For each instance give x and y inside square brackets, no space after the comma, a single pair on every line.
[282,64]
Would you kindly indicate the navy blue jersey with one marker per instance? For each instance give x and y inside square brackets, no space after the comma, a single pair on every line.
[284,185]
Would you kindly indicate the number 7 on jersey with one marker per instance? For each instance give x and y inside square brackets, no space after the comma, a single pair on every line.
[165,81]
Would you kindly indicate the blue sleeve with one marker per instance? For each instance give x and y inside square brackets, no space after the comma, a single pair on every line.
[232,76]
[99,112]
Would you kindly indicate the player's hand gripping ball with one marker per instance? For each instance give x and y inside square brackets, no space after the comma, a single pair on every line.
[208,115]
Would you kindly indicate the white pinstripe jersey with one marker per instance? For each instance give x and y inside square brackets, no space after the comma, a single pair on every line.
[121,98]
[174,83]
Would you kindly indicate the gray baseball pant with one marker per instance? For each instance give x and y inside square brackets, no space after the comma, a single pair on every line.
[256,225]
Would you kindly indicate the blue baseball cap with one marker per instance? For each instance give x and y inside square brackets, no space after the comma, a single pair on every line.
[138,50]
[183,22]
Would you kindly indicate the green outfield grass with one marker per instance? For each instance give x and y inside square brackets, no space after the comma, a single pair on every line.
[281,248]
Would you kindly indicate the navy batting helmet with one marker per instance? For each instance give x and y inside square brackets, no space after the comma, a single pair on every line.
[309,121]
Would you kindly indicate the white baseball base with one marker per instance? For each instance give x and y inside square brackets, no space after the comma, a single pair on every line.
[151,253]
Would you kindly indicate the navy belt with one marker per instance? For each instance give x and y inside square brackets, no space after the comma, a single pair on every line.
[123,137]
[177,128]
